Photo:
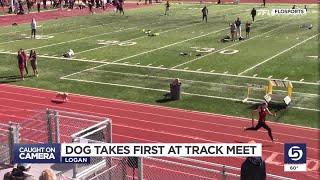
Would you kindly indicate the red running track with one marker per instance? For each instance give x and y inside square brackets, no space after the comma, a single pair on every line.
[56,14]
[135,122]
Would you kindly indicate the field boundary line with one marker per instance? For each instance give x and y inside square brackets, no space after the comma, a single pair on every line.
[145,52]
[168,69]
[238,118]
[190,80]
[278,54]
[165,90]
[144,36]
[210,73]
[173,29]
[234,44]
[67,31]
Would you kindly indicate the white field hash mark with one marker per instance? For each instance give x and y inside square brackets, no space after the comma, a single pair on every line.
[278,54]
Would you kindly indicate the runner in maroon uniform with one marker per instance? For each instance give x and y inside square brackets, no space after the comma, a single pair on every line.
[20,64]
[25,60]
[263,111]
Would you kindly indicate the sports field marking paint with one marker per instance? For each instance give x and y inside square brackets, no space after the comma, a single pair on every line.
[212,70]
[165,90]
[301,80]
[278,54]
[269,77]
[234,44]
[285,78]
[186,68]
[313,57]
[173,29]
[149,64]
[86,37]
[236,118]
[143,36]
[255,75]
[137,63]
[199,69]
[59,32]
[226,72]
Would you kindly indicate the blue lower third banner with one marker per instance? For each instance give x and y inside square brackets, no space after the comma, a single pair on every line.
[43,153]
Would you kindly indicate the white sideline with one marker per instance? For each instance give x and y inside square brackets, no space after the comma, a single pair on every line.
[211,73]
[164,90]
[206,82]
[164,68]
[234,44]
[145,52]
[180,27]
[282,52]
[61,32]
[86,37]
[144,36]
[162,107]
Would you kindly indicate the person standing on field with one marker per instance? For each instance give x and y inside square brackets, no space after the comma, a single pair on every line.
[253,13]
[33,28]
[205,13]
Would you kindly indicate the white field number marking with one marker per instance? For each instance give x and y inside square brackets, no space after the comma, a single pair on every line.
[209,50]
[229,51]
[113,43]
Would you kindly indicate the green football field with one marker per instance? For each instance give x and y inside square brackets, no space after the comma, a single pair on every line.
[115,58]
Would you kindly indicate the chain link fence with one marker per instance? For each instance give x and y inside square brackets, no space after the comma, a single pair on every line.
[9,135]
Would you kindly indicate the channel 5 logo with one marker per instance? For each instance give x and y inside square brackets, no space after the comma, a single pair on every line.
[295,153]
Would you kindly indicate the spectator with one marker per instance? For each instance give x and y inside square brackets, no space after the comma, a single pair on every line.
[33,28]
[264,3]
[33,61]
[29,5]
[294,7]
[20,172]
[205,13]
[253,13]
[44,4]
[248,27]
[38,5]
[167,5]
[48,174]
[238,27]
[233,31]
[305,7]
[253,168]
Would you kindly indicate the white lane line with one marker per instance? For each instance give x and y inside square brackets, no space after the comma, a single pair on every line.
[278,54]
[235,118]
